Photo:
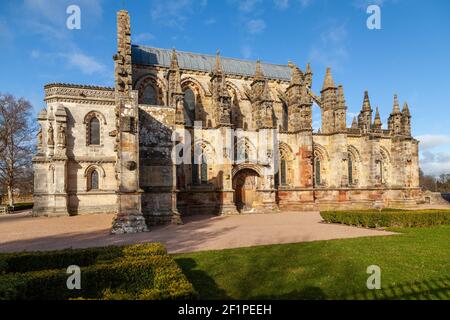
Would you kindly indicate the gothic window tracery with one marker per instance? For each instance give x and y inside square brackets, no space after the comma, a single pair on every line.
[189,107]
[204,171]
[319,163]
[94,131]
[149,95]
[151,90]
[284,176]
[93,181]
[350,169]
[317,171]
[202,154]
[284,117]
[94,123]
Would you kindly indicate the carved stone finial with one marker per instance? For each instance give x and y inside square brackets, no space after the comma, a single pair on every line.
[377,122]
[328,83]
[218,67]
[340,98]
[405,110]
[366,103]
[259,75]
[174,60]
[396,107]
[355,123]
[296,74]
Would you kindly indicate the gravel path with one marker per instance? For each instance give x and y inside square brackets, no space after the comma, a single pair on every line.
[20,232]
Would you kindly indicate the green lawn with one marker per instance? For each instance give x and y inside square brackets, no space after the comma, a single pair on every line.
[414,265]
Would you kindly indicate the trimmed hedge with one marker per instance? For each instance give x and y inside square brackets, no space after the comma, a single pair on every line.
[388,218]
[111,273]
[35,261]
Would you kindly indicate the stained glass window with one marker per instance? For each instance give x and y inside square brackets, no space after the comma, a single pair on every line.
[317,171]
[94,180]
[283,172]
[285,118]
[350,169]
[149,95]
[94,131]
[204,171]
[189,107]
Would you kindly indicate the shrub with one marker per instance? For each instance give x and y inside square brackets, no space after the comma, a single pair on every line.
[34,261]
[132,272]
[388,218]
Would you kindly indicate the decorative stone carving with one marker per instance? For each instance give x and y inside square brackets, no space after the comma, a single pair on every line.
[50,134]
[39,138]
[61,136]
[131,165]
[122,59]
[220,96]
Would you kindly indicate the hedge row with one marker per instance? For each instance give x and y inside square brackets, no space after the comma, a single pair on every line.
[35,261]
[132,272]
[388,218]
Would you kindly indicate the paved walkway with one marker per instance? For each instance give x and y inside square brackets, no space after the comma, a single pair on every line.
[22,232]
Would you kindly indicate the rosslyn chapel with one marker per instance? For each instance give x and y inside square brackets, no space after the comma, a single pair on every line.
[182,133]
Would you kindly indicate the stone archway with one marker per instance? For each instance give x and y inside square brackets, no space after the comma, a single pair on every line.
[245,184]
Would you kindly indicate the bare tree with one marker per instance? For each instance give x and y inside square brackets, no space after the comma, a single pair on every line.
[16,144]
[427,182]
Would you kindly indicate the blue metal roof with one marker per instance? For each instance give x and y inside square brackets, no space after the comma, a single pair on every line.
[202,62]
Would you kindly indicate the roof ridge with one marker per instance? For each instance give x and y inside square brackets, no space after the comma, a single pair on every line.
[213,56]
[79,86]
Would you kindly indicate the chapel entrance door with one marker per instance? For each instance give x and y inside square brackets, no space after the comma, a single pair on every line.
[244,185]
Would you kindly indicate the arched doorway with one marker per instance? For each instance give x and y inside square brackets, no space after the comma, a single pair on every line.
[245,185]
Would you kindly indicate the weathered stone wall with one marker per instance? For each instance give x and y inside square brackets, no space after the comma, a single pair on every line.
[62,169]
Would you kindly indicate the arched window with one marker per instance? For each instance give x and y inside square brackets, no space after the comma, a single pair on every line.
[93,181]
[194,166]
[283,172]
[94,131]
[149,95]
[204,171]
[317,168]
[285,118]
[350,169]
[189,107]
[381,171]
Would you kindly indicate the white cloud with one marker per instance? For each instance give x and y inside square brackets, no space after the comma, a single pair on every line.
[6,34]
[54,12]
[172,13]
[435,163]
[210,21]
[430,141]
[331,48]
[143,37]
[86,64]
[281,4]
[305,3]
[335,35]
[248,5]
[363,4]
[256,26]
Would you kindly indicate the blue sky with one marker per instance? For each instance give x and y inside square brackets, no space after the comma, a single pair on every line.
[408,56]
